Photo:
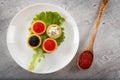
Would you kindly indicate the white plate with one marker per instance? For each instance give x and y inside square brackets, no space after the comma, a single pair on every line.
[18,32]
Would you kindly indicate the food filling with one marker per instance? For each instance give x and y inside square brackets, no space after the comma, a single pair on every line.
[39,27]
[54,31]
[50,45]
[34,41]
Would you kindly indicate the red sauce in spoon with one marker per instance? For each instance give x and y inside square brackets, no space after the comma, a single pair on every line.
[85,60]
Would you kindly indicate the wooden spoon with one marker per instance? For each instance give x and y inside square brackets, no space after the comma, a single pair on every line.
[85,59]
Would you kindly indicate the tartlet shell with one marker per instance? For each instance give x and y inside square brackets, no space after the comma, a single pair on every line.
[38,44]
[41,32]
[44,43]
[47,31]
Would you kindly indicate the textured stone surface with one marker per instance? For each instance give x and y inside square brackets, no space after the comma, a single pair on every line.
[106,64]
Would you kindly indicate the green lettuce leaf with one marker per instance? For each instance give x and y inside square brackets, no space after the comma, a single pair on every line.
[49,18]
[36,58]
[61,38]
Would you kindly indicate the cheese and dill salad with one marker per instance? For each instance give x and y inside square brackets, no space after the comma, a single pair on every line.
[46,34]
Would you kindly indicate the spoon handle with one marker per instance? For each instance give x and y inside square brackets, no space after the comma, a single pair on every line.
[100,14]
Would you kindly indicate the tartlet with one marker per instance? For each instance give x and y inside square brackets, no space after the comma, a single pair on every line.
[49,45]
[54,31]
[38,27]
[34,41]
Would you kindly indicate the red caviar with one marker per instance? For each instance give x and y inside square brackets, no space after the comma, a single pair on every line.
[39,27]
[49,45]
[85,60]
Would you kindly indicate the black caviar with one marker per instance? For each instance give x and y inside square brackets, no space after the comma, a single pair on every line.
[34,41]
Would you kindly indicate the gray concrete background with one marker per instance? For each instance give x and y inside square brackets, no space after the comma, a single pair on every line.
[106,64]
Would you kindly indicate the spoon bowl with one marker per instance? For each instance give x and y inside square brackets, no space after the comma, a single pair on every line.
[87,62]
